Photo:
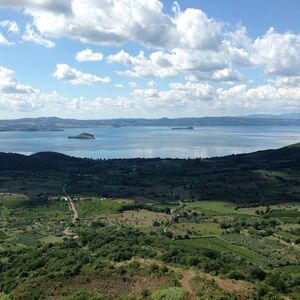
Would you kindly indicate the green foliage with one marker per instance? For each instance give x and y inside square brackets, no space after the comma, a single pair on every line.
[3,235]
[90,208]
[173,293]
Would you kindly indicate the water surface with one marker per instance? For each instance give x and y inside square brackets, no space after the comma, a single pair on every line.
[130,142]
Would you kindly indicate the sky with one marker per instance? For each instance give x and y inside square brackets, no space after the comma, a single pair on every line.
[99,59]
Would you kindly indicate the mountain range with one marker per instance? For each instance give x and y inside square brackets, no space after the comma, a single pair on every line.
[56,124]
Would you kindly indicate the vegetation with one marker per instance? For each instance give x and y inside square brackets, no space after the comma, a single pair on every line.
[223,228]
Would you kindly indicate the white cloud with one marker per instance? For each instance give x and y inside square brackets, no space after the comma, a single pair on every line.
[141,66]
[31,36]
[279,53]
[119,85]
[195,65]
[17,97]
[194,30]
[286,81]
[188,40]
[132,84]
[88,55]
[152,84]
[11,26]
[75,77]
[180,99]
[193,99]
[120,21]
[9,84]
[185,42]
[176,7]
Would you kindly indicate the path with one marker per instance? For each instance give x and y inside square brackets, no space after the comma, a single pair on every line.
[71,205]
[173,215]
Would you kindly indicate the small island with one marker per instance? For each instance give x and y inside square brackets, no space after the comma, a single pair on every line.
[83,136]
[183,128]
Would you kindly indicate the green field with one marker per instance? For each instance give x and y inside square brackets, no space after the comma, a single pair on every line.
[220,245]
[197,228]
[88,208]
[212,208]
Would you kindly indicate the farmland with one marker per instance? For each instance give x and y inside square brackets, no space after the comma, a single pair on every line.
[147,239]
[210,237]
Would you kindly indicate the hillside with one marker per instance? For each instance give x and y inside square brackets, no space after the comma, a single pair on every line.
[54,123]
[152,229]
[267,176]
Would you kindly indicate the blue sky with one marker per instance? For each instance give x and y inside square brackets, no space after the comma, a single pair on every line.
[148,58]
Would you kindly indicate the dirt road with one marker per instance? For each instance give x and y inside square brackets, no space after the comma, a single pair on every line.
[71,205]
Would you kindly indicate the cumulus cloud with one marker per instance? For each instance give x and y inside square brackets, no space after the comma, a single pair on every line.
[88,55]
[31,36]
[9,84]
[195,65]
[185,41]
[194,99]
[179,99]
[119,21]
[75,77]
[17,97]
[286,81]
[141,66]
[278,53]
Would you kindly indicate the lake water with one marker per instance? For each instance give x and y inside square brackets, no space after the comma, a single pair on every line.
[130,142]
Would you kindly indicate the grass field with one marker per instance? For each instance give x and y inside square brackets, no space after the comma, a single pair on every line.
[88,208]
[220,245]
[279,207]
[27,238]
[51,239]
[197,228]
[212,208]
[9,200]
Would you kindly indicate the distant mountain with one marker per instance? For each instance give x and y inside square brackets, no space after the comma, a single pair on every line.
[285,116]
[54,124]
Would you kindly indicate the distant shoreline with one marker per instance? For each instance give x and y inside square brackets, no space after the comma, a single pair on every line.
[58,124]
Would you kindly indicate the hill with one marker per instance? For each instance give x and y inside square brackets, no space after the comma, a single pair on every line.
[54,123]
[219,228]
[263,176]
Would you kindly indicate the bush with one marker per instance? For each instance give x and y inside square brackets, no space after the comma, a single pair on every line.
[236,275]
[173,293]
[257,274]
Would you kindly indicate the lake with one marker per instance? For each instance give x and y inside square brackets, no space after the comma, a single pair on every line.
[130,142]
